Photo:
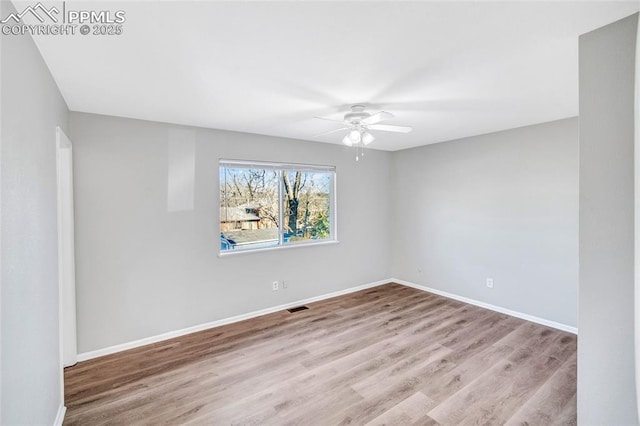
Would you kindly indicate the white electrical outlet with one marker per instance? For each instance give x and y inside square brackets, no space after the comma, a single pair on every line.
[490,282]
[284,284]
[274,285]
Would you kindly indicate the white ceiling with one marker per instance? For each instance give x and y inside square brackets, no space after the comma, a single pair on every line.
[449,69]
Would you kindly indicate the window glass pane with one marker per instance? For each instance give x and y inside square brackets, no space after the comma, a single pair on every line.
[306,205]
[249,206]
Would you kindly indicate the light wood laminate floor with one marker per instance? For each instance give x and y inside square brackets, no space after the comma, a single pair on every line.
[387,355]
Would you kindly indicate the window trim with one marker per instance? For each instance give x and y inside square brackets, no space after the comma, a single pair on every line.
[281,167]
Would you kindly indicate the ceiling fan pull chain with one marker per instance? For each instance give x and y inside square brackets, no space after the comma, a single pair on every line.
[359,152]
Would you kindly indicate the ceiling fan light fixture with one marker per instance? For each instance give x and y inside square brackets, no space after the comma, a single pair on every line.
[357,122]
[367,138]
[354,136]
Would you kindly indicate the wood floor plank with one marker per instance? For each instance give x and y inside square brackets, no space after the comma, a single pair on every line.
[567,417]
[510,382]
[406,412]
[385,355]
[390,393]
[374,384]
[441,388]
[548,403]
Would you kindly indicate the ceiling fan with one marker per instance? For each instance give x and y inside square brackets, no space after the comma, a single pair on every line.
[358,122]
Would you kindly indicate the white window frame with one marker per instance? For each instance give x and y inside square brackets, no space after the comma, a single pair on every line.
[281,167]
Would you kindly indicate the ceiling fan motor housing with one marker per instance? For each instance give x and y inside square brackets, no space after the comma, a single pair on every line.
[356,115]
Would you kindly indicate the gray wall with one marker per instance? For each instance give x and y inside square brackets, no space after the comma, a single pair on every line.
[505,205]
[32,107]
[502,205]
[142,270]
[606,390]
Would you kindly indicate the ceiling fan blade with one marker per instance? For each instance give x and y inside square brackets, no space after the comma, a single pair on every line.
[330,131]
[390,128]
[377,117]
[329,119]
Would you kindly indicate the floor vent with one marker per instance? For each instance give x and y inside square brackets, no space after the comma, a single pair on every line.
[297,308]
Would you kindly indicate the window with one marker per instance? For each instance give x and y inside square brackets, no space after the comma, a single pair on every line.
[265,205]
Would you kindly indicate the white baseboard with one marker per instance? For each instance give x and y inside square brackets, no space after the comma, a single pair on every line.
[60,416]
[177,333]
[502,310]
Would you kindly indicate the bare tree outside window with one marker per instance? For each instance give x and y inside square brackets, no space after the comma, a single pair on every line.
[306,204]
[271,206]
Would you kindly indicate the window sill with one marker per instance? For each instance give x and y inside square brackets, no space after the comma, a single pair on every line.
[276,248]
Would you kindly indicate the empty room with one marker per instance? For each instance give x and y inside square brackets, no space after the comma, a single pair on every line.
[319,213]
